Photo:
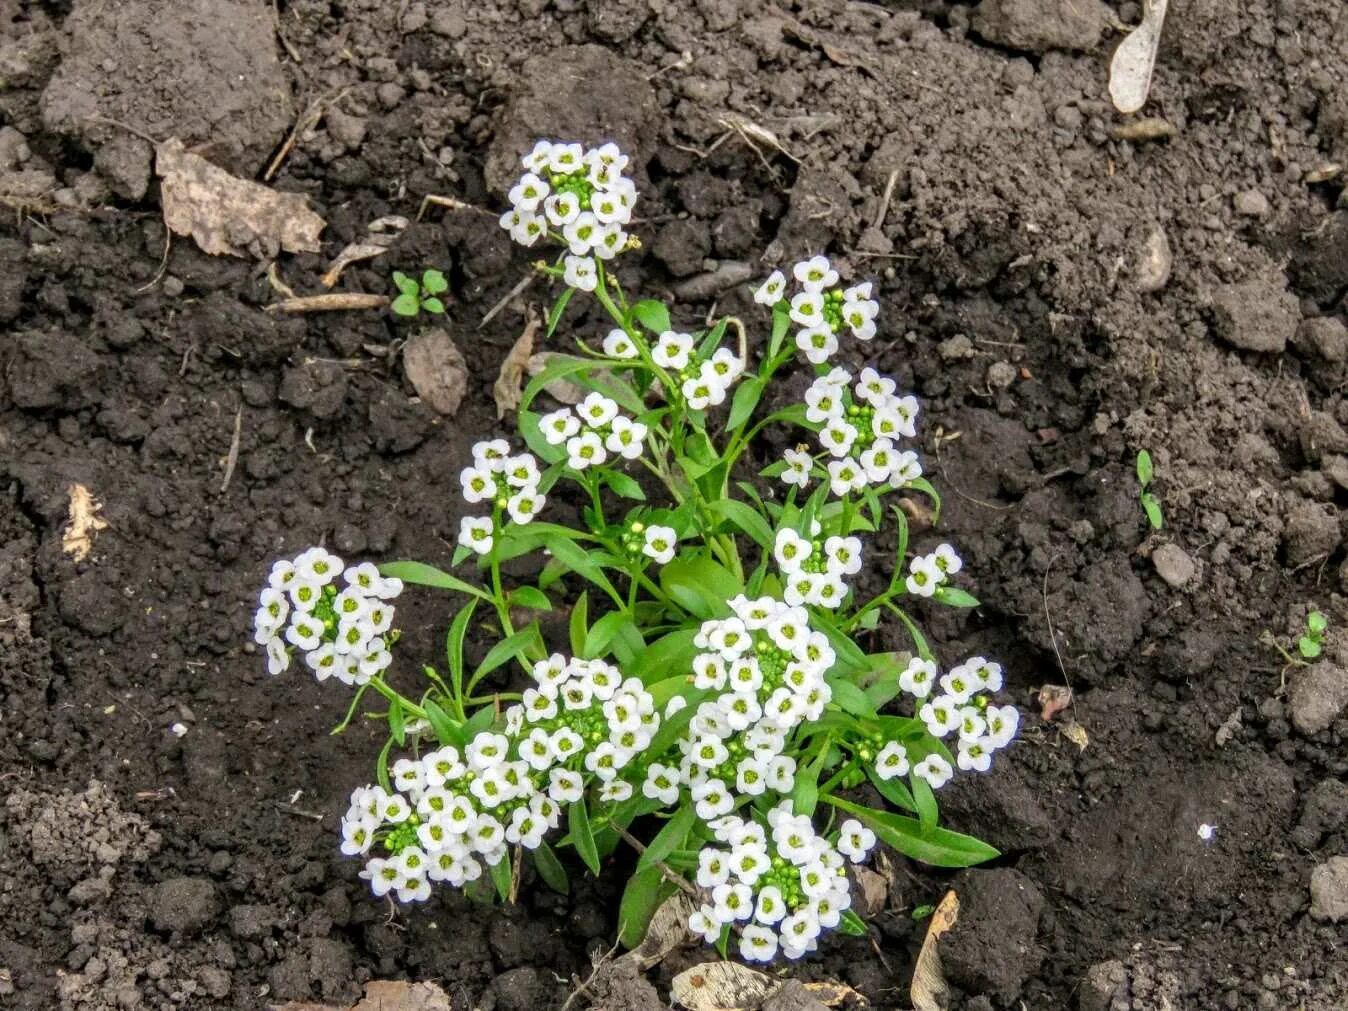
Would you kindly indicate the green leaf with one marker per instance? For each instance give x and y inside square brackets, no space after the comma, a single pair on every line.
[582,837]
[421,574]
[901,526]
[433,305]
[405,284]
[781,322]
[852,924]
[569,554]
[511,647]
[555,314]
[669,656]
[953,596]
[397,727]
[699,585]
[447,731]
[531,597]
[580,623]
[669,838]
[805,791]
[527,423]
[652,315]
[406,304]
[1309,648]
[1316,623]
[434,282]
[458,630]
[746,518]
[501,876]
[926,488]
[1145,471]
[850,698]
[641,898]
[602,633]
[550,869]
[1152,508]
[927,811]
[381,766]
[622,484]
[939,847]
[848,652]
[892,790]
[479,721]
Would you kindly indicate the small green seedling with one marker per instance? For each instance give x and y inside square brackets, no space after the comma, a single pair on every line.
[1310,644]
[418,295]
[1150,505]
[922,912]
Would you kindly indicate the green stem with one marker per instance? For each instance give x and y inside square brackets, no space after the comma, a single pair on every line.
[838,777]
[393,696]
[351,710]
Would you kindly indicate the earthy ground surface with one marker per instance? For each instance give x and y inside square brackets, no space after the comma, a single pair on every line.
[1058,297]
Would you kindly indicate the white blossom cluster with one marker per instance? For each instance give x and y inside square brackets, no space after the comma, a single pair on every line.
[451,814]
[578,196]
[341,633]
[820,308]
[959,708]
[703,381]
[928,573]
[509,483]
[783,888]
[592,430]
[815,570]
[861,425]
[767,666]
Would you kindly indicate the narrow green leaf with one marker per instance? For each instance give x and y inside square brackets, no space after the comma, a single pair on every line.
[641,898]
[699,585]
[953,596]
[579,625]
[652,315]
[926,488]
[421,574]
[569,554]
[746,518]
[669,838]
[447,730]
[582,837]
[1145,471]
[480,721]
[927,811]
[901,526]
[501,876]
[555,314]
[381,766]
[396,725]
[892,790]
[850,698]
[1152,508]
[848,652]
[940,847]
[513,646]
[550,869]
[602,633]
[852,924]
[531,597]
[458,630]
[622,484]
[669,656]
[781,322]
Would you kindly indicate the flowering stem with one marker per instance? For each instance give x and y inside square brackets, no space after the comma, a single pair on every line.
[393,696]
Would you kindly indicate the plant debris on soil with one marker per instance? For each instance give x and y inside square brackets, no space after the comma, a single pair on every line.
[1062,286]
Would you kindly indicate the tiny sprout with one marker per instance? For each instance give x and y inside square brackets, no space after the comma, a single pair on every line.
[1150,504]
[922,912]
[1310,644]
[418,295]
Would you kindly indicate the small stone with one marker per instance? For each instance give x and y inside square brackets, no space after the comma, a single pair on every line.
[1329,890]
[727,274]
[1154,261]
[957,347]
[347,130]
[449,23]
[1173,564]
[1251,204]
[437,370]
[1325,811]
[1103,982]
[1321,433]
[182,904]
[1316,695]
[1001,375]
[1257,315]
[1312,533]
[1039,25]
[1325,336]
[390,95]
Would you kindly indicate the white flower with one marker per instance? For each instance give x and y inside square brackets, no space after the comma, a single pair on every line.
[1206,832]
[672,349]
[798,465]
[855,840]
[972,724]
[705,923]
[770,292]
[478,485]
[711,799]
[529,192]
[626,437]
[946,560]
[807,308]
[583,233]
[815,274]
[845,476]
[619,345]
[702,392]
[476,532]
[874,388]
[959,684]
[791,550]
[562,208]
[818,342]
[278,658]
[524,505]
[732,901]
[935,770]
[597,410]
[579,272]
[617,790]
[660,544]
[939,715]
[662,784]
[878,461]
[1002,723]
[974,756]
[844,555]
[906,468]
[837,437]
[758,944]
[565,786]
[917,677]
[585,450]
[564,159]
[559,426]
[891,761]
[924,577]
[823,402]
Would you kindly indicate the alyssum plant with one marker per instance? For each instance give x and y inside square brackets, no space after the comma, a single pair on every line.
[714,709]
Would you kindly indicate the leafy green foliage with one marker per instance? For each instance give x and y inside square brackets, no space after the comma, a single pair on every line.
[1150,504]
[416,296]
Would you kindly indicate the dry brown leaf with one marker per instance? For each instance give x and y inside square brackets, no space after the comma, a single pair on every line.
[229,215]
[380,234]
[928,991]
[667,932]
[1131,68]
[83,521]
[1075,733]
[1053,699]
[437,370]
[561,390]
[385,995]
[722,986]
[835,994]
[870,893]
[509,385]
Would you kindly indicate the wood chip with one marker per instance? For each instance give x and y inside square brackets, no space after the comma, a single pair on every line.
[436,369]
[509,385]
[1151,128]
[334,302]
[929,991]
[380,234]
[1131,68]
[722,986]
[1053,699]
[226,215]
[83,522]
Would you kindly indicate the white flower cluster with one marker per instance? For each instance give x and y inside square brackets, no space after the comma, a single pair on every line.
[821,309]
[592,430]
[340,633]
[785,889]
[450,814]
[861,425]
[578,196]
[509,483]
[960,708]
[815,570]
[704,382]
[928,573]
[767,665]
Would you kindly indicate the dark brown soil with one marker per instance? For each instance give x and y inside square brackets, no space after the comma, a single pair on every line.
[1058,298]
